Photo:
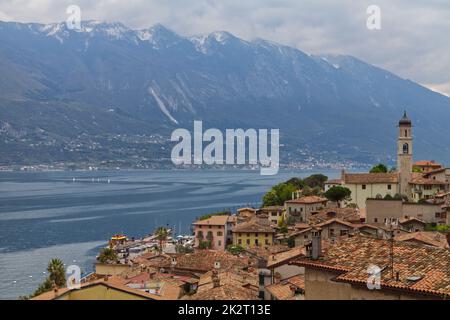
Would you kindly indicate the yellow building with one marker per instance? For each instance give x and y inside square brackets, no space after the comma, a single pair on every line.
[111,289]
[254,233]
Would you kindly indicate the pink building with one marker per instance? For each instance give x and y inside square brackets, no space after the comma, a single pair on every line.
[215,230]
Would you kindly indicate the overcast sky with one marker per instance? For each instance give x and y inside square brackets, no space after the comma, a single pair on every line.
[414,40]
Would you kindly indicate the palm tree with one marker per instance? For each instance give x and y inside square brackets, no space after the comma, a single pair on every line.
[106,255]
[161,235]
[57,272]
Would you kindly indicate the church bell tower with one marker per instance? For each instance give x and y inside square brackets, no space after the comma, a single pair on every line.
[404,155]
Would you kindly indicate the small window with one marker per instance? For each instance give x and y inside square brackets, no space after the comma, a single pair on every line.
[389,187]
[364,187]
[375,219]
[331,232]
[267,242]
[240,241]
[219,243]
[248,241]
[405,148]
[256,242]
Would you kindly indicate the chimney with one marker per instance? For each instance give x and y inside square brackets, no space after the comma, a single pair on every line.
[316,245]
[55,288]
[215,279]
[397,276]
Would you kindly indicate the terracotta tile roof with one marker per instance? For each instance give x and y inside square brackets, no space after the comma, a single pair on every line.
[112,283]
[426,163]
[366,225]
[200,261]
[418,178]
[282,258]
[370,178]
[213,221]
[241,278]
[428,173]
[265,252]
[283,290]
[231,286]
[226,292]
[335,220]
[407,220]
[301,225]
[334,181]
[435,239]
[302,231]
[308,200]
[254,225]
[247,209]
[345,214]
[351,258]
[273,208]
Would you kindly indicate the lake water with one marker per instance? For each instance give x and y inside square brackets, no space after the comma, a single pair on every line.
[48,215]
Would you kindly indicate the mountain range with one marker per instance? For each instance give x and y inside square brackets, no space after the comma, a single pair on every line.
[111,95]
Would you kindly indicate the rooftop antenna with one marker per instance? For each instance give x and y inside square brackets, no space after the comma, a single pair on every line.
[391,222]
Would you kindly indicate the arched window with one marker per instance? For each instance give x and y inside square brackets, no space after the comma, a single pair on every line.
[406,133]
[405,148]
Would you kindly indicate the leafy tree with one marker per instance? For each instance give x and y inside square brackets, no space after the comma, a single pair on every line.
[235,249]
[316,181]
[290,221]
[282,226]
[291,242]
[44,287]
[297,183]
[179,248]
[107,255]
[282,222]
[278,195]
[338,193]
[379,168]
[204,245]
[434,227]
[417,169]
[398,196]
[388,197]
[283,229]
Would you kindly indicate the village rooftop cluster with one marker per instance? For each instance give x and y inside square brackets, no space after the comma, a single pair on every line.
[311,247]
